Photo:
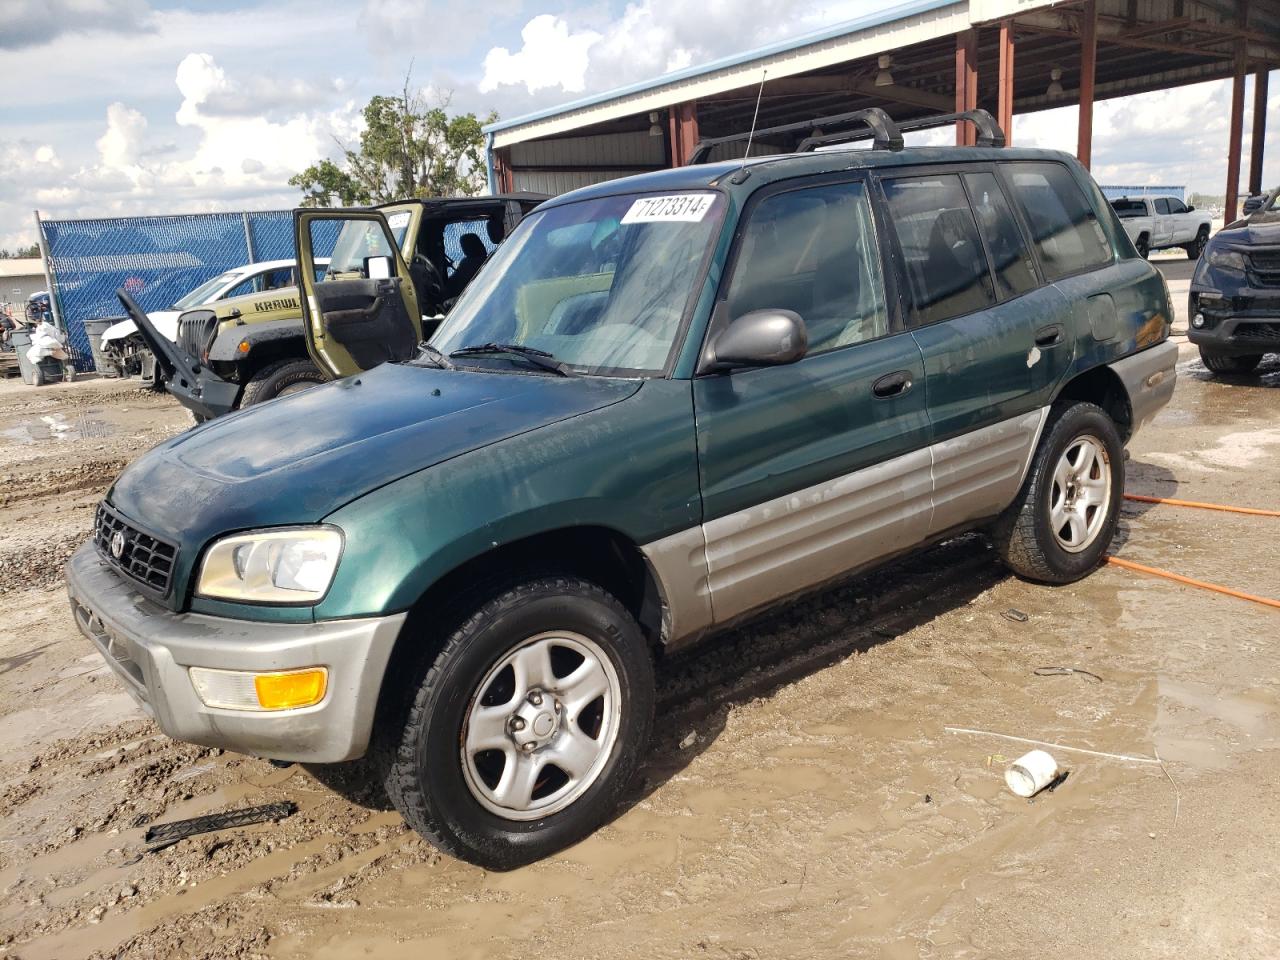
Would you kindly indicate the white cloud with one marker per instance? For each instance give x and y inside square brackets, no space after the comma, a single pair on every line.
[552,56]
[121,146]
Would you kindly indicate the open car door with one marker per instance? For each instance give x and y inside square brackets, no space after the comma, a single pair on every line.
[363,310]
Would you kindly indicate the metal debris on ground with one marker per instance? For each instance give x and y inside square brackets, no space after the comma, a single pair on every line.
[166,834]
[1017,616]
[1064,672]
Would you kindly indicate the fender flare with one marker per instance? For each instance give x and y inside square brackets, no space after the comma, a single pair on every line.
[226,346]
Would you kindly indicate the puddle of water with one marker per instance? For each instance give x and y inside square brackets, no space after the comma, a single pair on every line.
[57,426]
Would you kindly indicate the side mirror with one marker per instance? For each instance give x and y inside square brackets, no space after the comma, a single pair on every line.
[762,338]
[1190,208]
[379,268]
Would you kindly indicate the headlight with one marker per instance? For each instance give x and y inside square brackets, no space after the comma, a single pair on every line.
[272,566]
[1226,259]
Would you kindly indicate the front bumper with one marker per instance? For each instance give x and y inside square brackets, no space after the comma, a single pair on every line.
[1247,321]
[150,648]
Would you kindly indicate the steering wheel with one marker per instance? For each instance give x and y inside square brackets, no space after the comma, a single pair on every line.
[431,283]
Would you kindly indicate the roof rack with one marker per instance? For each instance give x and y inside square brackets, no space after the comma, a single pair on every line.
[873,123]
[879,123]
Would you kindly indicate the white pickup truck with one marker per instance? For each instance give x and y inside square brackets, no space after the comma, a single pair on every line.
[1156,223]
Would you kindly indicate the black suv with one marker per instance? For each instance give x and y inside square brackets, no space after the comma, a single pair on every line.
[1235,292]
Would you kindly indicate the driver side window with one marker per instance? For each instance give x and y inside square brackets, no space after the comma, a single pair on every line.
[813,251]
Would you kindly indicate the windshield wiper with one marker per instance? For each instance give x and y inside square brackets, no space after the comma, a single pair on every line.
[428,352]
[539,358]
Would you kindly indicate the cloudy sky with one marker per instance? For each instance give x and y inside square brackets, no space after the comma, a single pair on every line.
[175,106]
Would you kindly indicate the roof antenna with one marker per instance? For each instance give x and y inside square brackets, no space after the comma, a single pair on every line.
[742,174]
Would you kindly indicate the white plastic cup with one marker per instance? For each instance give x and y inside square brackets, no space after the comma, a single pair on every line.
[1031,773]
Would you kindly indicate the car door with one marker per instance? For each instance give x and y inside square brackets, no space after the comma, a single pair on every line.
[821,466]
[1164,230]
[1181,227]
[363,310]
[976,328]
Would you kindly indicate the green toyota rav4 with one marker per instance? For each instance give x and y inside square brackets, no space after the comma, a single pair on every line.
[667,402]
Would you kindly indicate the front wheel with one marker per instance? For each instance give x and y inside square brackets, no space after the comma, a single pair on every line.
[1065,516]
[280,379]
[1228,362]
[522,734]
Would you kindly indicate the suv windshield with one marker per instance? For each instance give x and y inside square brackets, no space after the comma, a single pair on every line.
[602,285]
[1129,208]
[204,292]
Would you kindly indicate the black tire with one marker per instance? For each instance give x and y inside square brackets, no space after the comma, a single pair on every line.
[1229,363]
[275,378]
[417,747]
[1024,535]
[1196,246]
[1143,243]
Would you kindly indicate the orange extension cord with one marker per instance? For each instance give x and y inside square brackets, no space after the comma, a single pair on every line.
[1202,506]
[1216,588]
[1179,578]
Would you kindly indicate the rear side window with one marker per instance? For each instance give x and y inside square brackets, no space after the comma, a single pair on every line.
[945,266]
[1064,227]
[1162,206]
[1015,270]
[813,251]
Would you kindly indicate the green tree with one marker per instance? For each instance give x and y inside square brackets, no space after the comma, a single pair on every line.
[409,148]
[31,251]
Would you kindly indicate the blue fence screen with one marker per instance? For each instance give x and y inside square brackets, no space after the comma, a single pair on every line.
[156,259]
[159,259]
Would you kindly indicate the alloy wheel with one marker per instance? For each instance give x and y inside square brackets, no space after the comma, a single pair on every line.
[541,726]
[1080,497]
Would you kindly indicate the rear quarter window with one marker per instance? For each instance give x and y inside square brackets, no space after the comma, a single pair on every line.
[1064,227]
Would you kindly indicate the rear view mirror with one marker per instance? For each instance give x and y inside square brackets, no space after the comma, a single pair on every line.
[762,338]
[378,268]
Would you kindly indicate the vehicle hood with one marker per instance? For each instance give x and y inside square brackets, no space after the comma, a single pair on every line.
[1243,233]
[165,322]
[299,458]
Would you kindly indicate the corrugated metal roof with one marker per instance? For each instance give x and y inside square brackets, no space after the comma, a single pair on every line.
[783,59]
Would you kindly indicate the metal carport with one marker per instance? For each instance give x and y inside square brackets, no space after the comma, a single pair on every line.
[929,56]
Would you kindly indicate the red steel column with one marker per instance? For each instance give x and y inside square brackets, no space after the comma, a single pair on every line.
[683,130]
[1004,107]
[1259,131]
[966,83]
[1088,67]
[1235,145]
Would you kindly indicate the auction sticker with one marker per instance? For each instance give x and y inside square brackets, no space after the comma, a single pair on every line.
[687,207]
[398,221]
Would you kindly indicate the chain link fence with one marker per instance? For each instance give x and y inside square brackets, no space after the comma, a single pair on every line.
[155,259]
[159,259]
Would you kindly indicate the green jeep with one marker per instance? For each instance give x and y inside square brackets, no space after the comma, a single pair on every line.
[668,402]
[251,348]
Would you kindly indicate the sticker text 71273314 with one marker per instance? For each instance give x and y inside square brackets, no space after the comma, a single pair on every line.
[687,207]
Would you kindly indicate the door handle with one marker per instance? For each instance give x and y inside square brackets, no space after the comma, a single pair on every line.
[892,384]
[1049,336]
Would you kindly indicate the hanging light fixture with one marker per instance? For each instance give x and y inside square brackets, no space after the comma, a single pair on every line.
[654,129]
[884,78]
[1055,83]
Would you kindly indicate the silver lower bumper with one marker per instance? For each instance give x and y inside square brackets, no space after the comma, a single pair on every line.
[150,649]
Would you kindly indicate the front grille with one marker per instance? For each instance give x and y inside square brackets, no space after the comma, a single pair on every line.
[146,559]
[1258,331]
[196,329]
[1266,266]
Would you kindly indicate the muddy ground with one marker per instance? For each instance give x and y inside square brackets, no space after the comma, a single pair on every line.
[803,798]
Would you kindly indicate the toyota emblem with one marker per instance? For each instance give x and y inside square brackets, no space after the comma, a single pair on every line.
[117,544]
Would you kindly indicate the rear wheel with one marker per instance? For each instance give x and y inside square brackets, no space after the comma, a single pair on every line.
[1196,246]
[1229,363]
[521,735]
[280,379]
[1065,516]
[1143,243]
